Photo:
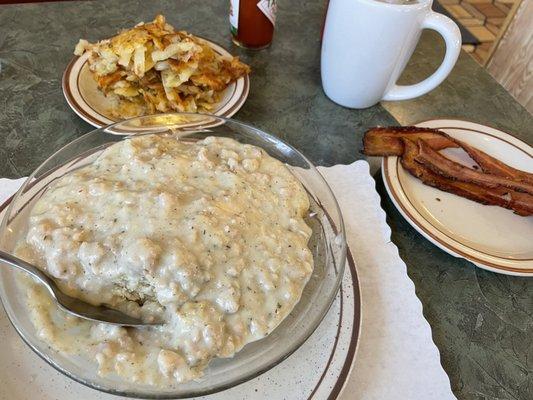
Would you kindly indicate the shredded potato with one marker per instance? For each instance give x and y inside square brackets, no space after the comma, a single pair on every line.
[153,68]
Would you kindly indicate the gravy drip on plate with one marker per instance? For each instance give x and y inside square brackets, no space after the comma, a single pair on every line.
[208,236]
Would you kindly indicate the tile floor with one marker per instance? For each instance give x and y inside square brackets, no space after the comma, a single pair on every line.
[483,18]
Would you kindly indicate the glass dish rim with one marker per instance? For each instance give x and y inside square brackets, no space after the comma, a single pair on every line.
[28,183]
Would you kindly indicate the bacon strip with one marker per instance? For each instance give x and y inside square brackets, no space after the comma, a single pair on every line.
[500,185]
[388,141]
[520,203]
[444,166]
[492,165]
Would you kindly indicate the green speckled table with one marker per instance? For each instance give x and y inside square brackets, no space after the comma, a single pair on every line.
[482,322]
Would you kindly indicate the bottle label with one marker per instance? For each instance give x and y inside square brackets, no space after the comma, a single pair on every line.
[269,8]
[234,15]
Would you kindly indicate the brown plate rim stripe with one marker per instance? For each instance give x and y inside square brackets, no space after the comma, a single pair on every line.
[354,341]
[240,101]
[67,90]
[334,348]
[426,231]
[443,243]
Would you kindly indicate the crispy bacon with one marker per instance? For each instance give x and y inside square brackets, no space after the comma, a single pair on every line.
[388,141]
[520,203]
[491,165]
[383,141]
[444,166]
[499,185]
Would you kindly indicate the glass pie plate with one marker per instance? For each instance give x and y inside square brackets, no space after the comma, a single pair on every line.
[327,244]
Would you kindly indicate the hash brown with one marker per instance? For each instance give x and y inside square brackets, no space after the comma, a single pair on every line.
[153,68]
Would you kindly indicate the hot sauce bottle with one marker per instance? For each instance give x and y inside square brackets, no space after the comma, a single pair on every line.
[252,22]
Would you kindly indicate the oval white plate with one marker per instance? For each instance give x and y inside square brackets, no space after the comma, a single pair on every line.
[491,237]
[82,94]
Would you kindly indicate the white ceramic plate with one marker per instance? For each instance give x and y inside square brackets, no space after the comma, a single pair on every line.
[491,237]
[326,357]
[83,96]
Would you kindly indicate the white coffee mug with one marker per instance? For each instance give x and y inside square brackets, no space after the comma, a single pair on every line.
[366,46]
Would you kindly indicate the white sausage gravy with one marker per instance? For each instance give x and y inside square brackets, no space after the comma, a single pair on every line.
[208,236]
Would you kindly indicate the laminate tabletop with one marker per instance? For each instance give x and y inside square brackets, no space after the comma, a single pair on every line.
[482,322]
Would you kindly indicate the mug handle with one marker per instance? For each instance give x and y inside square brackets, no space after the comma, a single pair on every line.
[452,37]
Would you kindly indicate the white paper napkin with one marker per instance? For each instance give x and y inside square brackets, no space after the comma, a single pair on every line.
[8,187]
[396,357]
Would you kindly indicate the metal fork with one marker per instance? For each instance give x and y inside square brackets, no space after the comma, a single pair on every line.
[72,305]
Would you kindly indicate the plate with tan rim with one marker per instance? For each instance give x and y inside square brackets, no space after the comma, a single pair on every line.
[84,97]
[491,237]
